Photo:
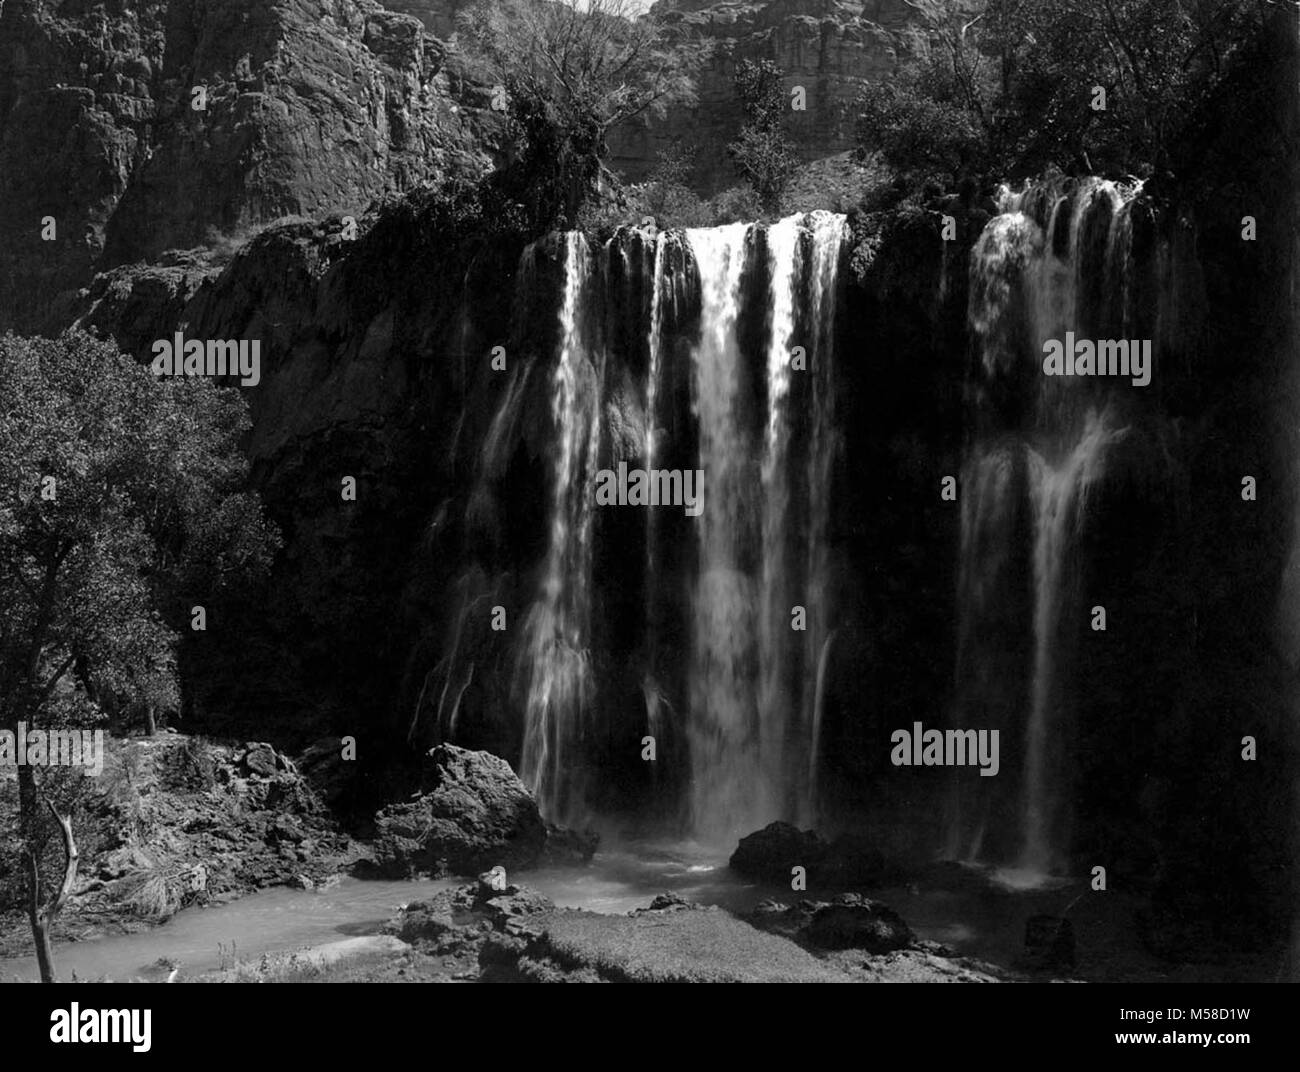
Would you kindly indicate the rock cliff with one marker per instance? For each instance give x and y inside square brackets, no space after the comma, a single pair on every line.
[828,47]
[126,130]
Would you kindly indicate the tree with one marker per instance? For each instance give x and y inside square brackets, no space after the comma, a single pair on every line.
[762,154]
[565,74]
[118,492]
[1007,88]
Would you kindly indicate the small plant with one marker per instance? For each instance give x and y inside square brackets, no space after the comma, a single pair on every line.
[227,955]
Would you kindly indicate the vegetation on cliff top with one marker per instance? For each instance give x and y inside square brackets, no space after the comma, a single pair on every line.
[1107,87]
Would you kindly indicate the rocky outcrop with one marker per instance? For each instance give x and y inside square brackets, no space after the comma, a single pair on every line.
[172,121]
[176,821]
[475,814]
[849,922]
[850,860]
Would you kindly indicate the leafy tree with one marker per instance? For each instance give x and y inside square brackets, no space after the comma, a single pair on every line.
[121,501]
[668,193]
[565,74]
[762,154]
[1007,88]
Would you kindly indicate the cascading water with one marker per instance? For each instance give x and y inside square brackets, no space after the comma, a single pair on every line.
[827,247]
[755,696]
[557,629]
[1055,261]
[727,399]
[722,732]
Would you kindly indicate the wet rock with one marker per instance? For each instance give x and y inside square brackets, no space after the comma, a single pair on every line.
[770,853]
[463,916]
[849,860]
[476,815]
[667,902]
[851,921]
[855,922]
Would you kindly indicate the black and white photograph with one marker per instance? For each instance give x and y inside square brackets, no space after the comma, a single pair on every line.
[650,491]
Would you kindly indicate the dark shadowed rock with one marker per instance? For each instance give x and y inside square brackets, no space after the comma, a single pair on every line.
[851,921]
[475,815]
[855,922]
[849,860]
[259,759]
[770,853]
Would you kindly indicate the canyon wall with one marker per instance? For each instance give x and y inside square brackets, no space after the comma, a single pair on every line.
[311,105]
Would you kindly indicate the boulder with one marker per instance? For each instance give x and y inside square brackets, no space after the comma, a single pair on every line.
[849,860]
[260,759]
[851,921]
[855,922]
[474,815]
[770,853]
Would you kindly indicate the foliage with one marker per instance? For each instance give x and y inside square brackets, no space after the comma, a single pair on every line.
[568,74]
[1006,88]
[762,153]
[121,504]
[667,195]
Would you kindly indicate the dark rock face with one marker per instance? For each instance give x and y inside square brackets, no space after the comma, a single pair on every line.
[770,853]
[849,922]
[309,107]
[475,815]
[850,860]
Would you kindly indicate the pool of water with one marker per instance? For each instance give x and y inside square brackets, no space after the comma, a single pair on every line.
[616,881]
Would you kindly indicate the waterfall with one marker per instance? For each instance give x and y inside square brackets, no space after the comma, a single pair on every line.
[557,628]
[758,683]
[828,234]
[723,737]
[1060,496]
[701,329]
[1055,261]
